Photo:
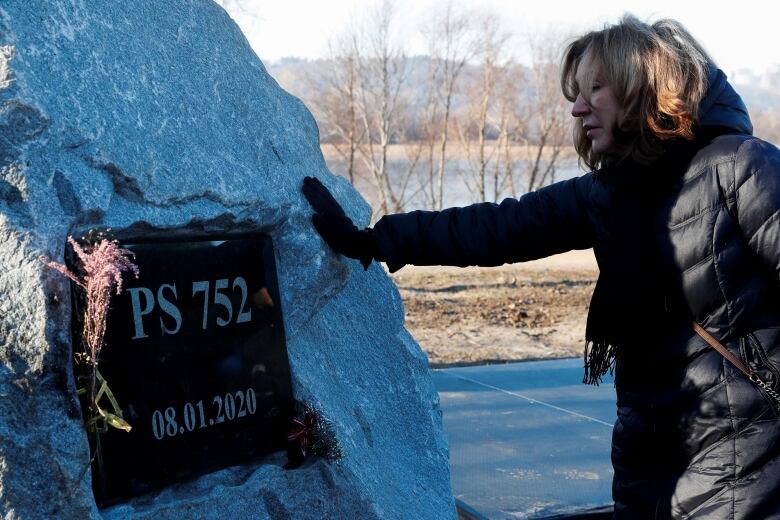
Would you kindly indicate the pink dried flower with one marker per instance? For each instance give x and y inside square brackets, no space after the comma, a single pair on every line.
[102,265]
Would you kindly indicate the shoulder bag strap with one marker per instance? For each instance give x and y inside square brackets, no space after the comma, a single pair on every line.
[750,374]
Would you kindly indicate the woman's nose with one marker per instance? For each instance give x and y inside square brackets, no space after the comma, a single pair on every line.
[580,107]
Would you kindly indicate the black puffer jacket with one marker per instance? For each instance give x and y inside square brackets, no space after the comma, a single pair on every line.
[694,438]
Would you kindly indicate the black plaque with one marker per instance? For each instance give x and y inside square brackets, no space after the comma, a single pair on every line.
[196,358]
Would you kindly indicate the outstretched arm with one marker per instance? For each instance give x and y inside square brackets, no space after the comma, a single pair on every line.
[550,220]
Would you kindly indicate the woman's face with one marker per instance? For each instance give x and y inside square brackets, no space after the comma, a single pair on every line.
[601,113]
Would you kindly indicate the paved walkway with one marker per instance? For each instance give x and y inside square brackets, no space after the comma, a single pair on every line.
[527,440]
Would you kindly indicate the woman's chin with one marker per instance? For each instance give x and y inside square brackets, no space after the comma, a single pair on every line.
[599,146]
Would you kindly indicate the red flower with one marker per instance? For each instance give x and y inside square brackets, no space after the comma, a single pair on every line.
[302,431]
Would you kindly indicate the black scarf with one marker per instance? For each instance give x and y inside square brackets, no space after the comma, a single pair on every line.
[628,298]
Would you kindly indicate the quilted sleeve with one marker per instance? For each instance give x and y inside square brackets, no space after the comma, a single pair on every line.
[550,220]
[757,192]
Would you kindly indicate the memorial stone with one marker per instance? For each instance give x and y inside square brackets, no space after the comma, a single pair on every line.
[157,120]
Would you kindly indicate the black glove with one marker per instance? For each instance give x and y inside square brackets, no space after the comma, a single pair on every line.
[335,226]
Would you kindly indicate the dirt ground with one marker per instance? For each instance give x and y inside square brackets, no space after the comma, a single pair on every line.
[534,310]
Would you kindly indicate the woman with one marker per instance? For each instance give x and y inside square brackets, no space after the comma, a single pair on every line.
[683,212]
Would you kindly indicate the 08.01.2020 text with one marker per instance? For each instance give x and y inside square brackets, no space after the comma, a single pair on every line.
[228,407]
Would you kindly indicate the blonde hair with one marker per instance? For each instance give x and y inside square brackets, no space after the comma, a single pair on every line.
[658,74]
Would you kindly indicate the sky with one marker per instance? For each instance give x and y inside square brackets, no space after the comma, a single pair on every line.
[738,35]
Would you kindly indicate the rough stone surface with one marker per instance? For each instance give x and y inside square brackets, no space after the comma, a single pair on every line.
[155,116]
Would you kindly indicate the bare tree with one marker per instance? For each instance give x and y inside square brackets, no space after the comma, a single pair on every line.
[334,100]
[430,125]
[382,73]
[358,98]
[480,100]
[511,121]
[452,43]
[548,121]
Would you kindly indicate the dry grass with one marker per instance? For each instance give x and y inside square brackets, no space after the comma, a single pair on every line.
[497,315]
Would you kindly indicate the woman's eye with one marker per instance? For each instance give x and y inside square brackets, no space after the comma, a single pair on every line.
[595,87]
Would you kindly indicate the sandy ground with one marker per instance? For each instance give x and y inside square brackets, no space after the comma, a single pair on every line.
[533,310]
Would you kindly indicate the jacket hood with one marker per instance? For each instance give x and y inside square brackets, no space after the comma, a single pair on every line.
[722,106]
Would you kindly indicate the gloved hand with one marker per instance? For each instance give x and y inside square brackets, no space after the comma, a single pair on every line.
[335,226]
